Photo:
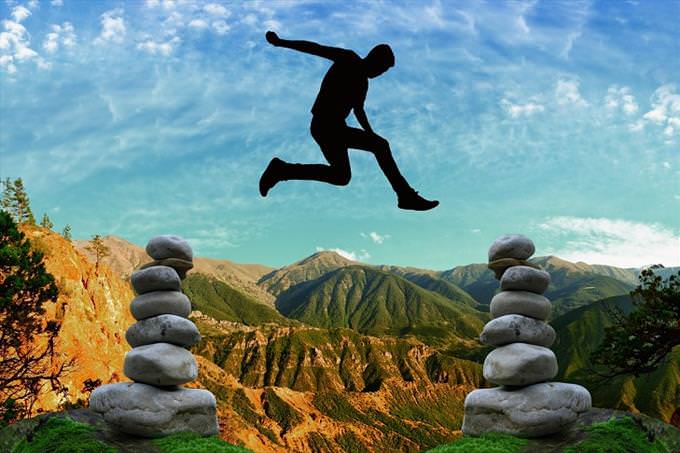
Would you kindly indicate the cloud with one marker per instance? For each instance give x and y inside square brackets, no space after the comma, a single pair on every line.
[567,92]
[517,110]
[665,110]
[113,27]
[362,255]
[15,43]
[615,242]
[160,48]
[620,97]
[375,237]
[63,34]
[221,27]
[198,23]
[19,13]
[216,10]
[57,3]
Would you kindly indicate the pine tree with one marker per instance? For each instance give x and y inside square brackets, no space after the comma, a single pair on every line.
[46,222]
[26,370]
[66,232]
[16,202]
[99,249]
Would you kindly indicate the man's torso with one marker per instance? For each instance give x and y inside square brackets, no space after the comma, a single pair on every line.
[343,87]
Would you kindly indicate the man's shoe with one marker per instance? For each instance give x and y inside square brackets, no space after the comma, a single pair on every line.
[411,200]
[269,178]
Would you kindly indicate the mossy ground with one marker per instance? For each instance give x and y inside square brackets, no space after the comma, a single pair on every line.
[60,433]
[488,443]
[621,435]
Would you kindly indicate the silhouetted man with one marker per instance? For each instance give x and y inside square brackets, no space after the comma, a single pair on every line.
[343,89]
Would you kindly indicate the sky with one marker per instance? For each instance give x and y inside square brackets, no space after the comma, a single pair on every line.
[556,120]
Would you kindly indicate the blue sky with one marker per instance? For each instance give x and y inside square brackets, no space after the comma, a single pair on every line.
[558,120]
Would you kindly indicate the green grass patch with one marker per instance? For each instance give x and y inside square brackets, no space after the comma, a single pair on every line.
[487,443]
[620,435]
[194,443]
[62,435]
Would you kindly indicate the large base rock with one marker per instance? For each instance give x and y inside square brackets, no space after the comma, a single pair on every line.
[532,411]
[148,411]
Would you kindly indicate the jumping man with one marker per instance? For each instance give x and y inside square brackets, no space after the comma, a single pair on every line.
[343,90]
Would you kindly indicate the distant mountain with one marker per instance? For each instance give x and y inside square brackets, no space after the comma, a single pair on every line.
[572,284]
[310,268]
[379,303]
[220,301]
[580,331]
[125,257]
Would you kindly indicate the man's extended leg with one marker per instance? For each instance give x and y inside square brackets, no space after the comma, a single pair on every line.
[408,198]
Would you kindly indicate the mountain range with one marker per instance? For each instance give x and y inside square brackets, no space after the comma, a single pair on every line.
[336,355]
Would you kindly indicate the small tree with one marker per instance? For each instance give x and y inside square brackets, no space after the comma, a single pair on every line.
[639,342]
[66,232]
[46,222]
[99,249]
[25,368]
[16,202]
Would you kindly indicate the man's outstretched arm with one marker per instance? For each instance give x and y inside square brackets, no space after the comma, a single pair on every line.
[332,53]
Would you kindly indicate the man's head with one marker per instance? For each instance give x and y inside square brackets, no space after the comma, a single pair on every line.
[378,60]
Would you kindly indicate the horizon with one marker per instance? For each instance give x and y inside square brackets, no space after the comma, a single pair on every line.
[558,120]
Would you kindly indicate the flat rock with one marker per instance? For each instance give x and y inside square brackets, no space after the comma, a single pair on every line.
[156,278]
[169,246]
[520,303]
[147,411]
[163,329]
[520,364]
[160,302]
[525,278]
[160,364]
[517,328]
[532,411]
[511,246]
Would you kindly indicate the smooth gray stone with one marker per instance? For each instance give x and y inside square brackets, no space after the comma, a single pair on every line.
[160,302]
[169,246]
[520,303]
[517,329]
[525,278]
[520,364]
[511,246]
[533,411]
[147,411]
[156,278]
[163,329]
[160,364]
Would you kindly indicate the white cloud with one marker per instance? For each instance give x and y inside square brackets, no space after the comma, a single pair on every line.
[350,255]
[476,231]
[216,9]
[57,3]
[517,110]
[522,25]
[571,38]
[198,23]
[160,48]
[375,237]
[19,13]
[15,43]
[567,92]
[221,27]
[620,97]
[113,27]
[615,242]
[63,34]
[665,110]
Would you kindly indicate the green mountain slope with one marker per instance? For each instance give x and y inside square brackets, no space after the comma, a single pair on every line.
[580,331]
[377,303]
[222,302]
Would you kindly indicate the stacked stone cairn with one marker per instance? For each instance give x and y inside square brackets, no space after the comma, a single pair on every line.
[526,404]
[155,404]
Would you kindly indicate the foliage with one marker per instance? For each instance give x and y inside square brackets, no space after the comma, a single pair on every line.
[487,443]
[637,343]
[62,435]
[98,248]
[194,443]
[15,201]
[25,285]
[66,232]
[282,412]
[620,435]
[46,222]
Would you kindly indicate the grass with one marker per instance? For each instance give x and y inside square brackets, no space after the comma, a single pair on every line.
[62,435]
[487,443]
[622,435]
[282,412]
[194,443]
